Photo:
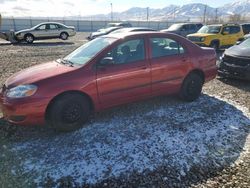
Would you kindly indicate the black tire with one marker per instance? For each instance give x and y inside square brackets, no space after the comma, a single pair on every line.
[64,36]
[69,112]
[191,87]
[215,45]
[29,38]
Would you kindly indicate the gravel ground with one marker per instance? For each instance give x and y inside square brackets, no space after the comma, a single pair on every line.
[161,142]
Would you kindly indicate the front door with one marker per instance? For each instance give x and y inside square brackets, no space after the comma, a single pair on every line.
[123,74]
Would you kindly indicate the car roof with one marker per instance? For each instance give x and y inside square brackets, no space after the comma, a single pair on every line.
[193,23]
[50,23]
[214,25]
[139,33]
[135,28]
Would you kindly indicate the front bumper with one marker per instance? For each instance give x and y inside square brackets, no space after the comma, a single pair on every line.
[24,111]
[233,71]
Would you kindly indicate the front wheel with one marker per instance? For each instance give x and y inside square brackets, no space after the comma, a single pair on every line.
[69,112]
[29,38]
[191,87]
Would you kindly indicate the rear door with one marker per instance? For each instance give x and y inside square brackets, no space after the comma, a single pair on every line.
[170,64]
[53,30]
[126,76]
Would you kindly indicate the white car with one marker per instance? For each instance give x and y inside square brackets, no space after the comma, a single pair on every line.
[47,30]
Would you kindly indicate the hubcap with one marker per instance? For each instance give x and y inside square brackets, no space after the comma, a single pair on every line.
[64,36]
[72,113]
[29,38]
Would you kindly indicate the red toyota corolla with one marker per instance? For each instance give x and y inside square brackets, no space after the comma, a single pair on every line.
[108,71]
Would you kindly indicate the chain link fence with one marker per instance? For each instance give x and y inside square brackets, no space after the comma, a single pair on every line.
[80,25]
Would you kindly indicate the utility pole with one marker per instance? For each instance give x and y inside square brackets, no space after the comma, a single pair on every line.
[205,12]
[216,15]
[174,14]
[111,9]
[0,20]
[147,13]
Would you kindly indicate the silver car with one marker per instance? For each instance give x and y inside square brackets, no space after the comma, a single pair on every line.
[47,30]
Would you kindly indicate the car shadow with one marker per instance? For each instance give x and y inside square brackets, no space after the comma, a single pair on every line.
[158,142]
[38,43]
[238,83]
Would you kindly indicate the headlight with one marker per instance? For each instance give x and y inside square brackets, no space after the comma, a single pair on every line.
[222,56]
[21,91]
[202,39]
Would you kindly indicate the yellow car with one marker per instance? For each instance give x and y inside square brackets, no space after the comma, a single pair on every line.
[217,36]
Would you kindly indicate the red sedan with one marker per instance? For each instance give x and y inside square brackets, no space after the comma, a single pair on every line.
[108,71]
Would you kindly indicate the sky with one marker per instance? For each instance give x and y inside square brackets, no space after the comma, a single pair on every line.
[55,8]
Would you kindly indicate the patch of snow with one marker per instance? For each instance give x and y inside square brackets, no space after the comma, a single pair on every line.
[126,140]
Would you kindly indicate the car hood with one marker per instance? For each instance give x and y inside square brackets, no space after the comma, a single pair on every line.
[237,50]
[247,36]
[37,73]
[23,31]
[201,35]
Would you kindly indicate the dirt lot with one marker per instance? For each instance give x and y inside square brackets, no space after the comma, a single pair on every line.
[162,142]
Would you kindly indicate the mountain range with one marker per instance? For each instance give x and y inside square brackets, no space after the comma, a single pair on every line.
[192,12]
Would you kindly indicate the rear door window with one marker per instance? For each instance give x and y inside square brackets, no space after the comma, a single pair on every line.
[234,29]
[162,47]
[53,26]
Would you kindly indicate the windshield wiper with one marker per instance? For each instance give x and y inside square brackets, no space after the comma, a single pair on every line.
[66,62]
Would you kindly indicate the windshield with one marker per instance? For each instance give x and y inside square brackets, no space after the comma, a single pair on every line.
[174,27]
[87,51]
[245,44]
[210,29]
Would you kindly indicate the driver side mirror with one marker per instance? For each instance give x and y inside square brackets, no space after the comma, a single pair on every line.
[106,61]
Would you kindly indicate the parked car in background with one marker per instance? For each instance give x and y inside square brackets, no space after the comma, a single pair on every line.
[107,71]
[235,62]
[246,28]
[132,29]
[102,32]
[218,36]
[183,29]
[119,24]
[46,30]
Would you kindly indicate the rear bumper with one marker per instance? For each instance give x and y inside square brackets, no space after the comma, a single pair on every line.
[24,112]
[233,71]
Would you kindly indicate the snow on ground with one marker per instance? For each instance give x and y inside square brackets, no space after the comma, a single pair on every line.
[124,140]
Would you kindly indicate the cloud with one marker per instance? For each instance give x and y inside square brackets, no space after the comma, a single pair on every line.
[3,1]
[20,8]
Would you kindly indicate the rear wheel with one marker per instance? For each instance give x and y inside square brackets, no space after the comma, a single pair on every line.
[64,36]
[191,87]
[29,38]
[69,112]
